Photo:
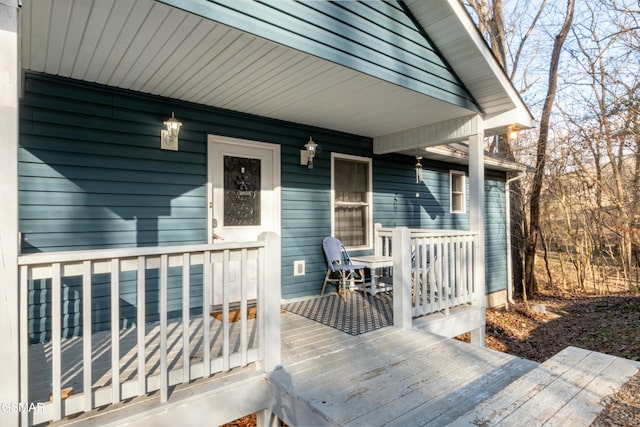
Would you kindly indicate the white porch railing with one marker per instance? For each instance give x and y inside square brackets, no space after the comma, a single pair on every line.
[157,355]
[439,267]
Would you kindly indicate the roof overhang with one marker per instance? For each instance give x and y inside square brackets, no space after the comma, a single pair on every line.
[452,29]
[154,48]
[459,154]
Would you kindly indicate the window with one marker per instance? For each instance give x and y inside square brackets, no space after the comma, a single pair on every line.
[458,196]
[351,183]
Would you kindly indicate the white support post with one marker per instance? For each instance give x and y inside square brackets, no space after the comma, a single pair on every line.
[402,309]
[10,327]
[476,221]
[270,291]
[269,297]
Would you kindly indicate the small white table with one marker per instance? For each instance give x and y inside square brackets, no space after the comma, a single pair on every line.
[373,262]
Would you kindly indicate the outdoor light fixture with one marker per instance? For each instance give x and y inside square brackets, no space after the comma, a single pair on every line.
[309,152]
[169,137]
[418,169]
[512,133]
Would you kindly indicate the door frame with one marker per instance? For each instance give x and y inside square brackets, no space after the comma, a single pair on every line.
[277,194]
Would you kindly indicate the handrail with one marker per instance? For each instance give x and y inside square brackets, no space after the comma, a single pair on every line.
[420,232]
[96,254]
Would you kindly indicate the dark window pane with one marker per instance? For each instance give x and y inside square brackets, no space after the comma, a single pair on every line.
[241,191]
[351,225]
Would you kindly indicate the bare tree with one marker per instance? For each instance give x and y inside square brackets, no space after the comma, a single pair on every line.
[541,154]
[507,39]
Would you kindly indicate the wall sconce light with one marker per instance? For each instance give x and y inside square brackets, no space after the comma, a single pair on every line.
[309,152]
[418,169]
[169,137]
[512,133]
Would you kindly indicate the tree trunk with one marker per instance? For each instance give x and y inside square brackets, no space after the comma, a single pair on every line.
[541,155]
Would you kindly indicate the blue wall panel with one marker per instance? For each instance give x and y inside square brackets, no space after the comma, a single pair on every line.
[92,175]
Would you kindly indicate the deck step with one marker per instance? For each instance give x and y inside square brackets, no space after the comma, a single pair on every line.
[567,389]
[395,377]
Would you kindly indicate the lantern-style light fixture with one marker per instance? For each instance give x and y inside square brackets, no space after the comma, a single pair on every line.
[418,169]
[169,137]
[309,152]
[512,133]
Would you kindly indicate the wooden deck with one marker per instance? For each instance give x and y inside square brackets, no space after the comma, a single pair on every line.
[410,377]
[387,377]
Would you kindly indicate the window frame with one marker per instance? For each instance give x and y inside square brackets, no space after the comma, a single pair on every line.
[452,194]
[369,203]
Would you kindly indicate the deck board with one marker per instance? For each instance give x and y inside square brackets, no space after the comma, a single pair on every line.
[387,374]
[394,377]
[386,377]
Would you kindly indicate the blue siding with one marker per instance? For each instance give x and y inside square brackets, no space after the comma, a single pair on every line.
[92,175]
[376,38]
[496,237]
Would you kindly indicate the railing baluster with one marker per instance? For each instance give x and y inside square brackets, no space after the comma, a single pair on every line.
[444,301]
[260,312]
[225,310]
[456,269]
[56,336]
[186,316]
[141,314]
[87,336]
[164,375]
[424,296]
[243,307]
[115,330]
[433,283]
[469,272]
[207,284]
[24,340]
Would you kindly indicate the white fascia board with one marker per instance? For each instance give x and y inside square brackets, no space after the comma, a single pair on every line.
[426,136]
[481,47]
[518,118]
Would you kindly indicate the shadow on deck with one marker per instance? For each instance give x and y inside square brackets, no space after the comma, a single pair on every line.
[389,377]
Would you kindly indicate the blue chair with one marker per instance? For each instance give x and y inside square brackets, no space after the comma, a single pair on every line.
[340,268]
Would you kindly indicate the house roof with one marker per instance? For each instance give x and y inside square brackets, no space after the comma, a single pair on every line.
[216,54]
[452,29]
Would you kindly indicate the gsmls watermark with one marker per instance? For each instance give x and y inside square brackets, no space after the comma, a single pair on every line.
[8,407]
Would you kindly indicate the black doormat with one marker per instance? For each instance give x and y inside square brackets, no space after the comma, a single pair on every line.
[359,314]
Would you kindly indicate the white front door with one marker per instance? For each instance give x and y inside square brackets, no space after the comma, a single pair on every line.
[244,198]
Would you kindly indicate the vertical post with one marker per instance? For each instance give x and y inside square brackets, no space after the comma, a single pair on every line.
[476,222]
[269,296]
[269,292]
[10,328]
[402,315]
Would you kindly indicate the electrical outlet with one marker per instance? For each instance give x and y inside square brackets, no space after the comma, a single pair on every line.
[299,268]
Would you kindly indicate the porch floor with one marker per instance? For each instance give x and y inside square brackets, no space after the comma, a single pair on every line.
[411,377]
[385,377]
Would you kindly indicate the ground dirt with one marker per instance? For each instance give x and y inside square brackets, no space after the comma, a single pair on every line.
[607,324]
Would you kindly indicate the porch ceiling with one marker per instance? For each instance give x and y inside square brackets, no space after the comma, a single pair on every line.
[153,48]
